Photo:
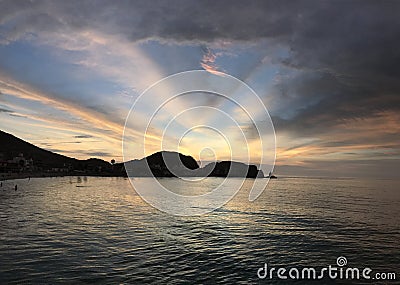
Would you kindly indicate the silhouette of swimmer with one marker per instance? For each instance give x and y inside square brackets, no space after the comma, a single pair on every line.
[16,187]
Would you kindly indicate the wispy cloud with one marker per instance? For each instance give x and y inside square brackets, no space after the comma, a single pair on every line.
[19,90]
[208,62]
[332,95]
[4,110]
[83,136]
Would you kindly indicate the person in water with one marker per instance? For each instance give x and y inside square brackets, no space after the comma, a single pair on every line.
[16,187]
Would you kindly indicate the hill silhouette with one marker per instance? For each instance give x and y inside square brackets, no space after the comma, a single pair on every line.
[11,146]
[174,164]
[162,164]
[159,164]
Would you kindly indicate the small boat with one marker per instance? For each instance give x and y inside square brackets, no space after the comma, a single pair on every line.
[271,176]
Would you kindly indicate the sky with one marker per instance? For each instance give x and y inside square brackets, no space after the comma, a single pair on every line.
[327,71]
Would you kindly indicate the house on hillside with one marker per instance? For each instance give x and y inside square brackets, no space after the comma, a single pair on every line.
[17,164]
[9,166]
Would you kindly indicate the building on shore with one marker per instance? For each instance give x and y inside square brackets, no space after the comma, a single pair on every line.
[16,164]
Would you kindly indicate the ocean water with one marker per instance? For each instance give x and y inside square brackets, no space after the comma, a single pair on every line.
[52,231]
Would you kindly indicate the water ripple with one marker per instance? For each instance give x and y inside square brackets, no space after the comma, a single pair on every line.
[54,232]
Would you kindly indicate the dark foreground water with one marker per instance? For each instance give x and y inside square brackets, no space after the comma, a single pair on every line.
[52,231]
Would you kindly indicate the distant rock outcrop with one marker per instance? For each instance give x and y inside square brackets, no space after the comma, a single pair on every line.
[230,169]
[162,164]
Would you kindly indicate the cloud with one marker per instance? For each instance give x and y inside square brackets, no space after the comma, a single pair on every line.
[22,91]
[99,153]
[208,62]
[11,112]
[60,142]
[330,46]
[3,110]
[194,21]
[385,168]
[83,136]
[140,20]
[337,55]
[85,120]
[338,69]
[18,116]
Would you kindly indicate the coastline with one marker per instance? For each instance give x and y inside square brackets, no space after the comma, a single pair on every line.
[14,176]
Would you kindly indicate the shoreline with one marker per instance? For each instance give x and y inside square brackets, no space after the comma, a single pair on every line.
[15,176]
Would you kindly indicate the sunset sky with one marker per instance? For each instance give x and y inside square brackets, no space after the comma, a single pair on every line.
[327,71]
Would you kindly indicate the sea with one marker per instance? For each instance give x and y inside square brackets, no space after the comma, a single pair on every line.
[93,230]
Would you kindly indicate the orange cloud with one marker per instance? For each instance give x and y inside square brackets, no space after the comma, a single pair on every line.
[85,120]
[374,137]
[208,62]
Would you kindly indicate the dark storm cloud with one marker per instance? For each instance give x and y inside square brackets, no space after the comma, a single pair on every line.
[202,21]
[345,60]
[343,56]
[168,20]
[324,101]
